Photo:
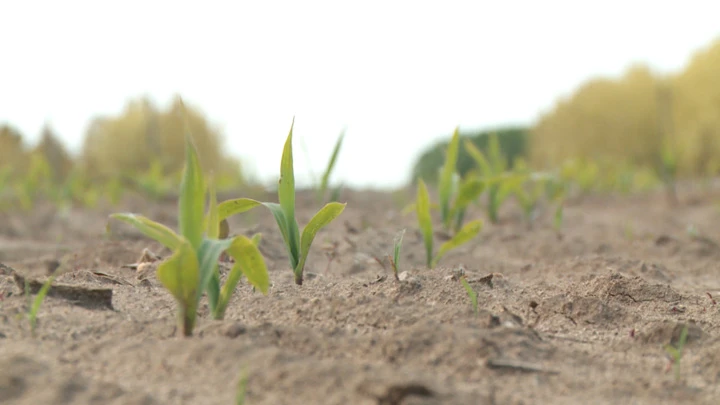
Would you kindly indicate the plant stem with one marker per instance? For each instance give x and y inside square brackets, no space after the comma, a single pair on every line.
[186,322]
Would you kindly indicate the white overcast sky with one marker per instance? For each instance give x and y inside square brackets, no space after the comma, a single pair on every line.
[398,74]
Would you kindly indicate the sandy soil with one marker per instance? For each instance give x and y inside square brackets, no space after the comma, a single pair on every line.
[581,317]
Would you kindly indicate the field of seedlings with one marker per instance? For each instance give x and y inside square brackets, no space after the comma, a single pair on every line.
[497,286]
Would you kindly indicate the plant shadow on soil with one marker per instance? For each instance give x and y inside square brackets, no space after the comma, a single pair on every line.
[579,319]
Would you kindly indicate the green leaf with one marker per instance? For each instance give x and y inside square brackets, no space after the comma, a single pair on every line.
[464,235]
[32,314]
[152,229]
[213,219]
[191,205]
[424,219]
[497,160]
[479,157]
[282,223]
[208,255]
[469,191]
[446,177]
[180,274]
[286,195]
[331,164]
[323,217]
[251,264]
[229,208]
[257,238]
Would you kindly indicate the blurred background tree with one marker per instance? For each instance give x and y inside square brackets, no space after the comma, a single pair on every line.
[669,124]
[143,136]
[12,150]
[696,112]
[53,151]
[603,119]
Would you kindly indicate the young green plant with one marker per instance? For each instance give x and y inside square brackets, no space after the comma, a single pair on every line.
[676,352]
[193,267]
[447,177]
[492,171]
[39,298]
[455,195]
[297,246]
[325,181]
[471,294]
[395,260]
[464,235]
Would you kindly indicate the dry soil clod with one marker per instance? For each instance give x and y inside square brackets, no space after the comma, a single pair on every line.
[90,298]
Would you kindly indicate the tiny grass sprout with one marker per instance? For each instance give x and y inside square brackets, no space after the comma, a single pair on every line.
[242,387]
[676,352]
[322,190]
[464,235]
[395,260]
[39,298]
[471,294]
[193,267]
[297,246]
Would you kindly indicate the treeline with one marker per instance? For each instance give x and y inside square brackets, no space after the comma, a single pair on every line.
[661,123]
[142,140]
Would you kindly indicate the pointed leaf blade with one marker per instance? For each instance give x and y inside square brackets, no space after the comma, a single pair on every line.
[446,177]
[152,229]
[464,235]
[249,262]
[422,209]
[208,255]
[469,191]
[331,164]
[321,219]
[286,196]
[213,218]
[180,275]
[479,158]
[191,205]
[235,206]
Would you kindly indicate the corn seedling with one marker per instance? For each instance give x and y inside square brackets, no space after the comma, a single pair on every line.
[464,235]
[193,267]
[39,298]
[471,294]
[676,352]
[297,246]
[492,171]
[447,177]
[455,194]
[395,260]
[324,182]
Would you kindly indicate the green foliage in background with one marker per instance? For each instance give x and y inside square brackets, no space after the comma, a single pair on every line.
[669,124]
[325,180]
